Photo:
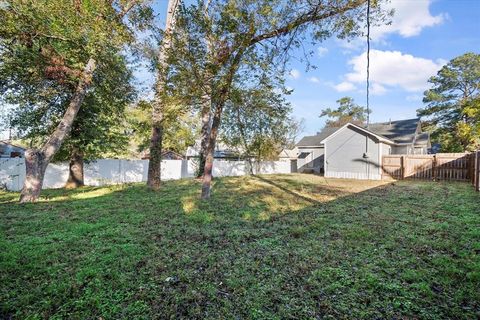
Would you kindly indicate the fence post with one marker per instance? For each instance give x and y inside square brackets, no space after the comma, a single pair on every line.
[402,166]
[474,168]
[477,171]
[434,167]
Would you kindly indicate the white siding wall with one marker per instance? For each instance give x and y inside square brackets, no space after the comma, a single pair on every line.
[114,171]
[344,155]
[312,161]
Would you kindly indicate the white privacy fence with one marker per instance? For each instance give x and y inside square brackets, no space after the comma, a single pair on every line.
[117,171]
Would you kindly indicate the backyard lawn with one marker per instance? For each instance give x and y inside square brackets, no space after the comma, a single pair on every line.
[267,247]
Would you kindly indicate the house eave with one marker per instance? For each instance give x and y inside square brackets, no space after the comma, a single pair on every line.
[380,138]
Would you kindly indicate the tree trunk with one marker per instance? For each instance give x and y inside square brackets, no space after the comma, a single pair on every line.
[36,161]
[35,166]
[154,163]
[205,133]
[212,139]
[218,102]
[75,176]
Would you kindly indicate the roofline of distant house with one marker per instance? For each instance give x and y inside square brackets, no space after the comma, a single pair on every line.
[13,145]
[379,137]
[312,146]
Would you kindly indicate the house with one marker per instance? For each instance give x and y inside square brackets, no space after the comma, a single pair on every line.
[354,151]
[222,151]
[288,154]
[9,150]
[310,157]
[166,155]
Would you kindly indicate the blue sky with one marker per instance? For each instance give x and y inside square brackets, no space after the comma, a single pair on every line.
[423,36]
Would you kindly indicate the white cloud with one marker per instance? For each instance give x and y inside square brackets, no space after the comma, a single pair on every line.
[409,18]
[414,98]
[314,79]
[294,74]
[377,89]
[322,51]
[393,69]
[345,86]
[355,44]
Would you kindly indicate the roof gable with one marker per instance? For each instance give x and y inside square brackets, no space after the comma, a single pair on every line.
[315,141]
[398,132]
[362,129]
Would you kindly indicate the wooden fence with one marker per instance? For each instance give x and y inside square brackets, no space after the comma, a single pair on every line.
[476,170]
[441,166]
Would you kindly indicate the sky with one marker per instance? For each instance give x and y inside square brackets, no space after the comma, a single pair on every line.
[423,36]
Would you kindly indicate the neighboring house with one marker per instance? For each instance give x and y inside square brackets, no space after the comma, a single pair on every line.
[9,150]
[353,151]
[166,155]
[222,151]
[310,157]
[287,154]
[290,155]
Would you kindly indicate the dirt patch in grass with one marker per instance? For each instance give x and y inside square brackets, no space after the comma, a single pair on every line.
[267,247]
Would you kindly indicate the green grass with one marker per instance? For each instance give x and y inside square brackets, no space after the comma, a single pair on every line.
[272,247]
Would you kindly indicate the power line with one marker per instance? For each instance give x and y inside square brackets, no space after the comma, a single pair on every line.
[368,62]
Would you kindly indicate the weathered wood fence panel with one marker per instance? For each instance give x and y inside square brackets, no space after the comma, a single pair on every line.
[441,166]
[475,169]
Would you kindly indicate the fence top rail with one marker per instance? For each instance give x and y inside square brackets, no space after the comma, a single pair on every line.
[427,156]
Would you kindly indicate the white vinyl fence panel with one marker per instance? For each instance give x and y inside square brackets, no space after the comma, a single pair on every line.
[117,171]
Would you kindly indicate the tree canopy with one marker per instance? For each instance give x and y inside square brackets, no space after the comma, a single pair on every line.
[453,104]
[99,128]
[216,43]
[258,121]
[180,127]
[50,53]
[347,111]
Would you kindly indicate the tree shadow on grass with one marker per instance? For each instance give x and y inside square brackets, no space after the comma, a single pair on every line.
[256,250]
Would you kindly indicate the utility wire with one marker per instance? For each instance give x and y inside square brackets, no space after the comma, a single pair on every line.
[368,62]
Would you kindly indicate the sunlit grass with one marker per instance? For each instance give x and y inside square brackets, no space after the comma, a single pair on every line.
[268,247]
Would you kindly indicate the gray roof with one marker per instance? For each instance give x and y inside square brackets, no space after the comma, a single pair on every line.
[309,141]
[400,131]
[422,139]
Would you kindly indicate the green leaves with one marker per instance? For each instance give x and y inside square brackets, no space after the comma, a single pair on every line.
[347,111]
[453,104]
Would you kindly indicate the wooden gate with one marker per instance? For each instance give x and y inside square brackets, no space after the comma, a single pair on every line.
[441,166]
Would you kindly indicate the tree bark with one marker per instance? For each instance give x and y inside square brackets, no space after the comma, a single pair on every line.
[212,139]
[155,161]
[35,166]
[37,160]
[206,112]
[75,175]
[205,133]
[218,102]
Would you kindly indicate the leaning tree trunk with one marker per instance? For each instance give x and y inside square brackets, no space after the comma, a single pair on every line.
[154,163]
[35,166]
[37,160]
[75,173]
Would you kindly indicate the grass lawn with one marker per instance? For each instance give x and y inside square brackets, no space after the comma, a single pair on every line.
[268,247]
